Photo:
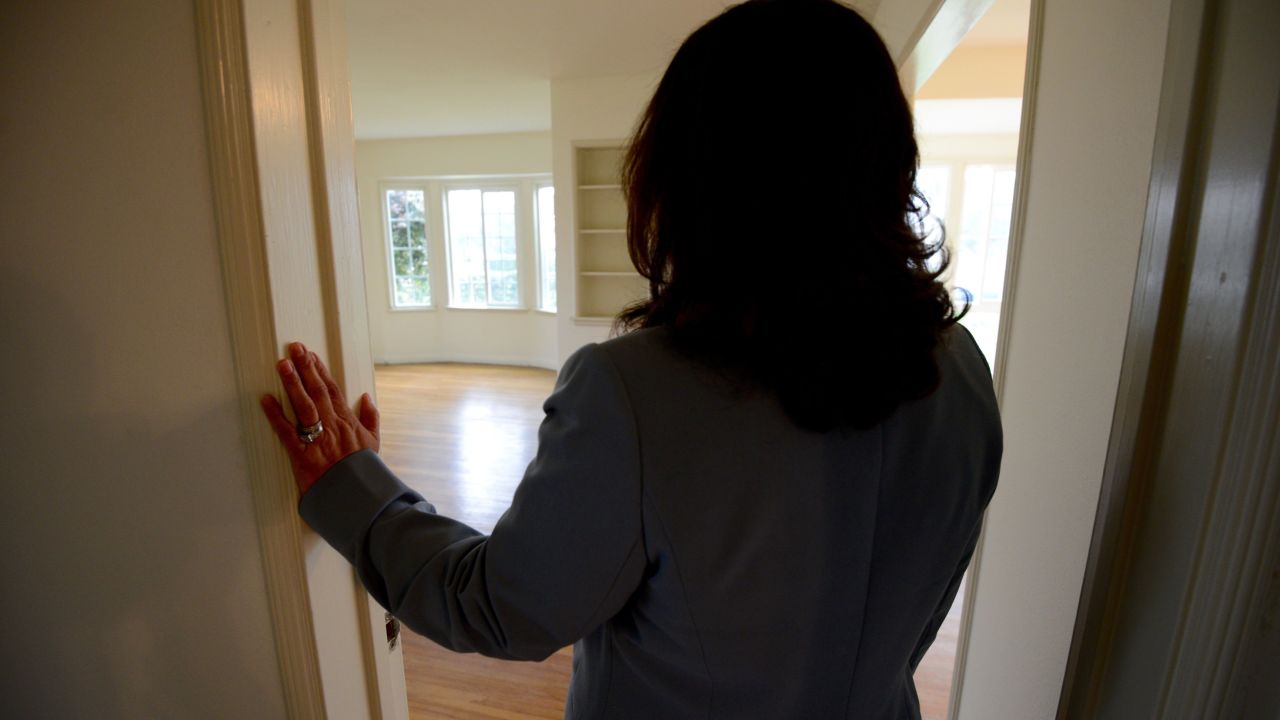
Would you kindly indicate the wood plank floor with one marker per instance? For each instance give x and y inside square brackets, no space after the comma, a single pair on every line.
[462,436]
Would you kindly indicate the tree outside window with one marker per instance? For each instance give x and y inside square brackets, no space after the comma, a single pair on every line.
[407,240]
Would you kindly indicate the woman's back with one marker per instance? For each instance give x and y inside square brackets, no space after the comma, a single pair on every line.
[754,504]
[709,558]
[788,573]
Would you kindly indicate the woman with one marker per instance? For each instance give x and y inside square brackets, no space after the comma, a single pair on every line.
[759,500]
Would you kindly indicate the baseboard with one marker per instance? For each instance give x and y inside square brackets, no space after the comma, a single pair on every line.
[518,361]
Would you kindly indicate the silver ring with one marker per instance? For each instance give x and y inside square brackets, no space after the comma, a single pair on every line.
[309,433]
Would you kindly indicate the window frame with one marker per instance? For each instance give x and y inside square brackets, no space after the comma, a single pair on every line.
[540,271]
[957,189]
[983,315]
[388,243]
[512,185]
[978,302]
[435,189]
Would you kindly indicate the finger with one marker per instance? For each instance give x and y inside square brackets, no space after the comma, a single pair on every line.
[370,419]
[285,430]
[335,393]
[369,416]
[304,360]
[303,409]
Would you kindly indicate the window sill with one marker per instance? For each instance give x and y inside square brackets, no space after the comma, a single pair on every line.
[593,320]
[503,309]
[421,308]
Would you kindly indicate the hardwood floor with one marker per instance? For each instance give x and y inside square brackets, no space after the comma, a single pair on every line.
[462,436]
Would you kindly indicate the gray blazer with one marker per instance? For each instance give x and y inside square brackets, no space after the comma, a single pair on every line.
[707,558]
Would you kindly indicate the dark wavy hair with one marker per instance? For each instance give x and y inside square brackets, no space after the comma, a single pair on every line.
[772,207]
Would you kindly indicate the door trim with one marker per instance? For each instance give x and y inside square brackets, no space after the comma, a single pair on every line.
[1017,228]
[233,167]
[281,148]
[1185,535]
[331,131]
[1149,348]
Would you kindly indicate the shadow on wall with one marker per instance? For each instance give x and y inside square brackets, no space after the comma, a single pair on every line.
[123,559]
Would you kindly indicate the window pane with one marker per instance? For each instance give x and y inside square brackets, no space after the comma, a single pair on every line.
[1001,203]
[396,204]
[415,203]
[975,221]
[421,290]
[412,292]
[934,182]
[403,295]
[998,235]
[399,235]
[466,248]
[546,249]
[500,247]
[402,262]
[418,262]
[407,228]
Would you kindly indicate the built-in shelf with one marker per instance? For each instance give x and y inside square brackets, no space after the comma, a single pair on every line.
[606,281]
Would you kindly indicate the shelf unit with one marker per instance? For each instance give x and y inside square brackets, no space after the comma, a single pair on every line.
[606,281]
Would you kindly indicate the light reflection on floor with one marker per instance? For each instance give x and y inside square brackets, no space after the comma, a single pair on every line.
[493,451]
[462,435]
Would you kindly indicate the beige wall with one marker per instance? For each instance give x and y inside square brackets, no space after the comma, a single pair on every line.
[1086,187]
[586,110]
[982,71]
[133,585]
[582,110]
[441,334]
[986,147]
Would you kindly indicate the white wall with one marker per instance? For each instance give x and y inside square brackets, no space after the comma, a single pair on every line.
[586,110]
[1090,158]
[439,334]
[133,585]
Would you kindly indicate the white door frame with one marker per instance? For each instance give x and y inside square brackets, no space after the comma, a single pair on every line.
[926,47]
[1090,119]
[278,118]
[282,164]
[279,126]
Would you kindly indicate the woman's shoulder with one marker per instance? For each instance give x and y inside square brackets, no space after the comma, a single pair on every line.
[642,352]
[630,357]
[967,384]
[649,360]
[962,362]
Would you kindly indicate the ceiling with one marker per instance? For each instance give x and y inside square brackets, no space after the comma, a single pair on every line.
[457,67]
[449,67]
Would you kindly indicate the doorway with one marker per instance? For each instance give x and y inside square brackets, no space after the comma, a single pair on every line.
[1094,75]
[968,114]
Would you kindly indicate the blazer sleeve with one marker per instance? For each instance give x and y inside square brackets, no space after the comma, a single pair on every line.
[944,606]
[562,559]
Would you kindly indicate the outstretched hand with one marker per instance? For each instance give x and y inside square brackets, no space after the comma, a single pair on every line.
[315,398]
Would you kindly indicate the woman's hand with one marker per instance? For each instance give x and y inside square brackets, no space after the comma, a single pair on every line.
[315,398]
